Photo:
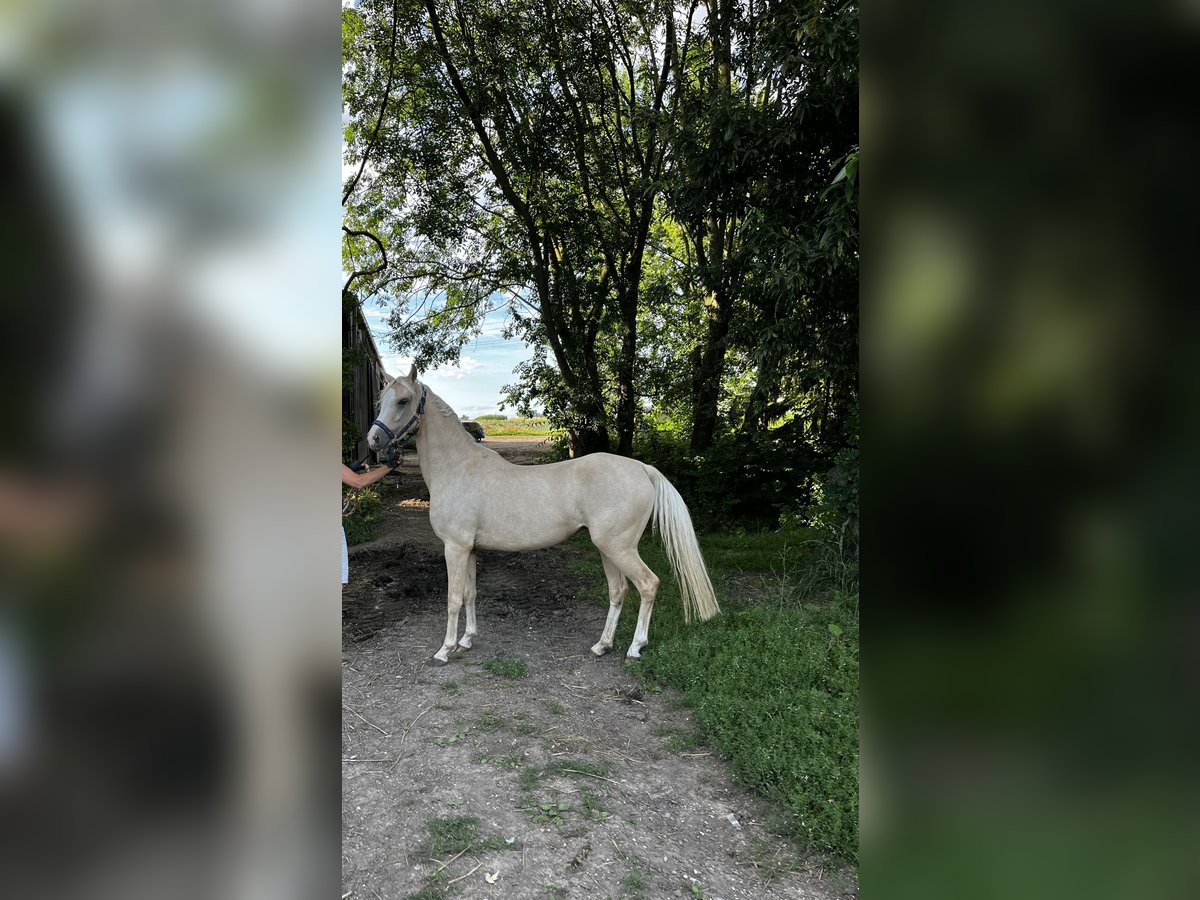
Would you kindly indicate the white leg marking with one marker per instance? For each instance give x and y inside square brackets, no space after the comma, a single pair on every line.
[464,643]
[617,588]
[456,576]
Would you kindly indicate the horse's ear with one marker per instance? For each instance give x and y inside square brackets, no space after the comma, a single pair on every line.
[412,373]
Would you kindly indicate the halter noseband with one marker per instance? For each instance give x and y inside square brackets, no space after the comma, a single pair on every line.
[403,431]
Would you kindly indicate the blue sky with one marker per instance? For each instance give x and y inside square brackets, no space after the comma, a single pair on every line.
[472,387]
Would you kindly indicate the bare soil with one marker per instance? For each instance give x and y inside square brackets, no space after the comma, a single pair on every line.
[583,782]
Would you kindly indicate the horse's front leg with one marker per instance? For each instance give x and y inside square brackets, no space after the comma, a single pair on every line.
[456,584]
[464,643]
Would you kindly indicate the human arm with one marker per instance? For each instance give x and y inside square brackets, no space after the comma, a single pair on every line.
[363,479]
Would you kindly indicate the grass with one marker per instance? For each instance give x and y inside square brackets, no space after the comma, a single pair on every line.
[499,426]
[506,668]
[680,741]
[634,883]
[491,722]
[774,684]
[504,762]
[459,834]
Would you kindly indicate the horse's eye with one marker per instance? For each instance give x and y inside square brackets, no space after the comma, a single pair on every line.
[405,400]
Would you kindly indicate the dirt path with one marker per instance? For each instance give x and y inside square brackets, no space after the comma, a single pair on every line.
[572,781]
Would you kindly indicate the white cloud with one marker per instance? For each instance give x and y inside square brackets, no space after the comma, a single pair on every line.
[397,364]
[456,371]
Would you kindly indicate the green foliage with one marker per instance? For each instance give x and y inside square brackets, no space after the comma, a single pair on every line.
[551,811]
[491,722]
[774,685]
[633,884]
[506,668]
[362,523]
[459,834]
[748,480]
[837,508]
[719,212]
[351,435]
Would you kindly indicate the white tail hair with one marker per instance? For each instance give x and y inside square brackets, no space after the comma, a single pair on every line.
[673,522]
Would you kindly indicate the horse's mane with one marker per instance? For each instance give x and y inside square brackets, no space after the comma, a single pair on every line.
[442,406]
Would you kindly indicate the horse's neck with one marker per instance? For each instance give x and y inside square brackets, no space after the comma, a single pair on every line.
[442,442]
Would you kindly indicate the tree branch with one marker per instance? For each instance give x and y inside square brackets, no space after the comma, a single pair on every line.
[387,91]
[364,272]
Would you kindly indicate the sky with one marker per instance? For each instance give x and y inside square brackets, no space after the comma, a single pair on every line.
[472,386]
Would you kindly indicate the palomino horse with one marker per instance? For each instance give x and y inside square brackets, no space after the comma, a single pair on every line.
[477,499]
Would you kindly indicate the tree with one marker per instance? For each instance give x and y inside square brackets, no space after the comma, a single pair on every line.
[538,133]
[771,114]
[662,197]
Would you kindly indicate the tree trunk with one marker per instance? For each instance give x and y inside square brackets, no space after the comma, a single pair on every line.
[583,441]
[626,395]
[707,389]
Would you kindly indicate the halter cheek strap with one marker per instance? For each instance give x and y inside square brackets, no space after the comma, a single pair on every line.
[403,431]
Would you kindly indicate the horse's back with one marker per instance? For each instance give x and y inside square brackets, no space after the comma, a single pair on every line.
[541,505]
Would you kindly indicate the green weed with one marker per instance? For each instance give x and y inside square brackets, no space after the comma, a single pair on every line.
[503,762]
[679,741]
[507,668]
[773,686]
[365,516]
[456,738]
[459,834]
[548,811]
[634,883]
[490,722]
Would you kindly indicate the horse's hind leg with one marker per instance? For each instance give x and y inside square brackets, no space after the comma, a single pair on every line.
[617,588]
[456,583]
[646,582]
[464,642]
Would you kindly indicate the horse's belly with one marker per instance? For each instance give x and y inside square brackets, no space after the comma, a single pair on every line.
[519,533]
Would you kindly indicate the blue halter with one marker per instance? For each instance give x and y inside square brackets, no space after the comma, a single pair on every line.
[403,431]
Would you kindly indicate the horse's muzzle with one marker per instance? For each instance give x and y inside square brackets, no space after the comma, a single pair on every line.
[375,436]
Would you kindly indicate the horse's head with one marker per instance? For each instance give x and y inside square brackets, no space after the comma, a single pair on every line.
[401,405]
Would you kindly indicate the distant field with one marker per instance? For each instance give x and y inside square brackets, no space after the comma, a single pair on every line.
[517,426]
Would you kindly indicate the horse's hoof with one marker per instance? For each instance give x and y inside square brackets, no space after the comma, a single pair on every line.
[462,646]
[437,663]
[599,649]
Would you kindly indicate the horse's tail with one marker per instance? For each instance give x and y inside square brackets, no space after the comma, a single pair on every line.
[673,522]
